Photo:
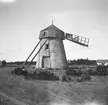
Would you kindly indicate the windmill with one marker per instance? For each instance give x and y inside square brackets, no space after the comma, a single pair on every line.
[51,53]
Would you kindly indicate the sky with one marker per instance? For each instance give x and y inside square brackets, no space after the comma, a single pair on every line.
[22,20]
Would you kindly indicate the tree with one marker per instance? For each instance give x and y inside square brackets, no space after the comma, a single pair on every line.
[3,63]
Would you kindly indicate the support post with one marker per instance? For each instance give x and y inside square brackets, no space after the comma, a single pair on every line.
[30,54]
[35,55]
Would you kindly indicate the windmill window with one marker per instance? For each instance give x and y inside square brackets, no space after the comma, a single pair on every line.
[47,46]
[44,33]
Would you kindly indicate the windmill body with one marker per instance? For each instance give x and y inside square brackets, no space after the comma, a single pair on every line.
[52,55]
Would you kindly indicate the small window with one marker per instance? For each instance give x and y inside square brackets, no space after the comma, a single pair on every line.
[44,33]
[47,46]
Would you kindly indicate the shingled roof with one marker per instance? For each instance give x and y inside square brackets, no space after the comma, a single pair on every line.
[53,32]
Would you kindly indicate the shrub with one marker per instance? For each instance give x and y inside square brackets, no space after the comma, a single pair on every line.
[19,71]
[3,63]
[92,72]
[84,77]
[74,72]
[102,70]
[42,75]
[65,78]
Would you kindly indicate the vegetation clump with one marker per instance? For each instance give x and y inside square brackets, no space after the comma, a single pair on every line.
[74,72]
[84,77]
[3,63]
[82,62]
[102,70]
[66,78]
[19,71]
[42,75]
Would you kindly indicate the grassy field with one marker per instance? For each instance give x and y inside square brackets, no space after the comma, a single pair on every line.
[15,90]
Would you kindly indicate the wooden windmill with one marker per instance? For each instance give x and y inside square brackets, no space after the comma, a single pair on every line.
[51,53]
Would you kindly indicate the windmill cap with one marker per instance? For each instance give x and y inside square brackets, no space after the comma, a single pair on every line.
[52,32]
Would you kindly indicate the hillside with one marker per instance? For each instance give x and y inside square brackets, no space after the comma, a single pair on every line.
[15,90]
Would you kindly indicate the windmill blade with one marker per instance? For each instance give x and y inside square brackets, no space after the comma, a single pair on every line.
[77,39]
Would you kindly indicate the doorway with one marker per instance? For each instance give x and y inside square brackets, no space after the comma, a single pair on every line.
[46,62]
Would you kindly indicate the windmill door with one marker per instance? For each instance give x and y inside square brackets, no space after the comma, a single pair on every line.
[46,62]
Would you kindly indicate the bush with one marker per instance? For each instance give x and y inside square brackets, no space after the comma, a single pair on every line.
[19,71]
[92,72]
[102,70]
[42,75]
[65,78]
[3,63]
[84,77]
[74,72]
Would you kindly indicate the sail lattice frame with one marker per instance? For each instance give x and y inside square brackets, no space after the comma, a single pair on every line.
[77,39]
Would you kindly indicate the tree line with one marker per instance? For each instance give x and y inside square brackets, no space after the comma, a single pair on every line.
[21,62]
[82,62]
[70,62]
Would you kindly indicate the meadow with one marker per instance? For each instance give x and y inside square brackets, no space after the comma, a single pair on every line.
[15,90]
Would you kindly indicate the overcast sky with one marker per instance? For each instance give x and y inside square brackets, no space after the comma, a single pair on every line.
[22,20]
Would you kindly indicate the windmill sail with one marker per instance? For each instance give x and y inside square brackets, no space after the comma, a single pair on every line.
[77,39]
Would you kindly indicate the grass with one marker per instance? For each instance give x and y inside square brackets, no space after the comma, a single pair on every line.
[4,101]
[22,90]
[40,92]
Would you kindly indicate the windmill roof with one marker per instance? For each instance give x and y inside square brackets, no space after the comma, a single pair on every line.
[51,31]
[51,27]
